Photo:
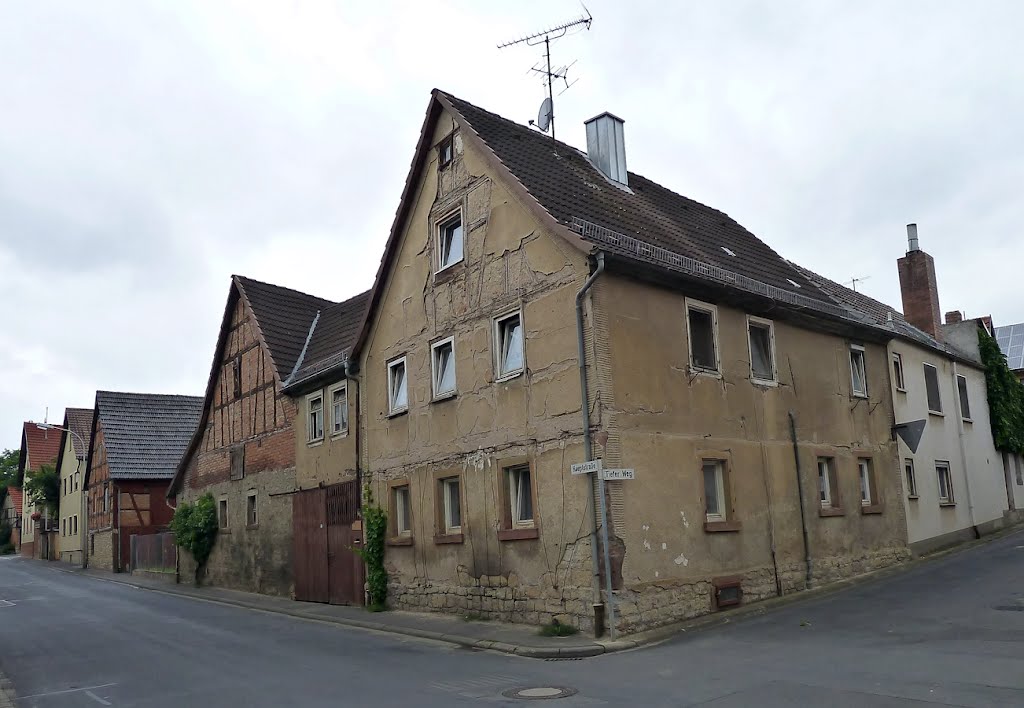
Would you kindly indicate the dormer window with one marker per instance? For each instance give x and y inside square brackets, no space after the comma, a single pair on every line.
[445,153]
[449,241]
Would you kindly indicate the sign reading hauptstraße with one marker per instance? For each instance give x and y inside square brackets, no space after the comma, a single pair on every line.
[586,467]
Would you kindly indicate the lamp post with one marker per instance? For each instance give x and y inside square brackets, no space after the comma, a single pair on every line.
[78,471]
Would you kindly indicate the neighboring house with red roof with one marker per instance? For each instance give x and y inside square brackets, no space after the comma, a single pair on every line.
[10,512]
[137,441]
[40,446]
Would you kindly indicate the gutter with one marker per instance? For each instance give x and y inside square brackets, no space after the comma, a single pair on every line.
[600,504]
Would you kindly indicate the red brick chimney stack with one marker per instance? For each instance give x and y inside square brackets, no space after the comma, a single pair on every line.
[954,317]
[919,287]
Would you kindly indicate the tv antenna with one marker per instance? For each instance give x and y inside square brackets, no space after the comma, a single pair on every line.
[546,115]
[853,282]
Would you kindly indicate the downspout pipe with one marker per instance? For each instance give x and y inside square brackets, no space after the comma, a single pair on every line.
[600,509]
[963,449]
[800,490]
[350,373]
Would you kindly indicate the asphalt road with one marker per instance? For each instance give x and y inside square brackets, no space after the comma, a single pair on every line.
[948,632]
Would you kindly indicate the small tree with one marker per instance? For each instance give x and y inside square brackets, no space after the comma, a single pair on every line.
[43,488]
[195,529]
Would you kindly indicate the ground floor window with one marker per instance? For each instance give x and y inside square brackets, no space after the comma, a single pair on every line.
[714,490]
[945,482]
[252,518]
[908,471]
[828,489]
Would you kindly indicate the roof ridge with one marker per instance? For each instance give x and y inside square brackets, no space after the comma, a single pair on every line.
[246,279]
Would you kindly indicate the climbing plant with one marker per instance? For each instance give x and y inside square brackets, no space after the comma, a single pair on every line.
[195,529]
[375,529]
[1005,396]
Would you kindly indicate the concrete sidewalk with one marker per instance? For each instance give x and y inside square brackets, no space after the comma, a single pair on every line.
[518,639]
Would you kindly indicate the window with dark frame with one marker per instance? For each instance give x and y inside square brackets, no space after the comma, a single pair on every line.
[897,371]
[222,513]
[236,375]
[931,384]
[449,242]
[252,518]
[911,477]
[237,462]
[701,328]
[445,152]
[762,349]
[965,404]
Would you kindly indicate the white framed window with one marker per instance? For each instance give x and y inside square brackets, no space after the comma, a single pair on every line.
[702,333]
[945,482]
[866,483]
[714,490]
[761,344]
[931,384]
[222,513]
[402,504]
[339,408]
[911,478]
[442,367]
[965,403]
[897,372]
[252,518]
[449,241]
[398,386]
[858,371]
[445,152]
[452,500]
[520,495]
[315,417]
[827,483]
[510,352]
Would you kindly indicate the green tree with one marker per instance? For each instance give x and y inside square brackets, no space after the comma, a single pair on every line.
[8,471]
[42,487]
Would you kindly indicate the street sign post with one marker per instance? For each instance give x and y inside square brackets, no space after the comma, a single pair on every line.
[586,467]
[615,474]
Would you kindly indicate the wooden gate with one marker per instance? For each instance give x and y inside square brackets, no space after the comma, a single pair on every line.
[327,569]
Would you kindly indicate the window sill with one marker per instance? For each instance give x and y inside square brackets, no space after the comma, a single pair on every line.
[698,371]
[967,420]
[443,274]
[766,383]
[863,396]
[340,434]
[517,534]
[505,378]
[448,538]
[441,398]
[400,541]
[940,414]
[315,443]
[395,414]
[722,526]
[252,526]
[947,504]
[831,511]
[901,390]
[871,509]
[912,497]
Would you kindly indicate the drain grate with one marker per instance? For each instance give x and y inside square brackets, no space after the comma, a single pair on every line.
[539,693]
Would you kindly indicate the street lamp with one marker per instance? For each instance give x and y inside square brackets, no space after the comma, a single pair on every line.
[78,471]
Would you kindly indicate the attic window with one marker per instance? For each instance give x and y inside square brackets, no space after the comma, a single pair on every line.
[729,251]
[793,282]
[445,152]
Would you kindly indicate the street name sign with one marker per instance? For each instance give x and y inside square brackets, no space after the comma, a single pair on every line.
[613,474]
[586,467]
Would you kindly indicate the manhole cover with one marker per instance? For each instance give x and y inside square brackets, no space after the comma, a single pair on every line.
[539,693]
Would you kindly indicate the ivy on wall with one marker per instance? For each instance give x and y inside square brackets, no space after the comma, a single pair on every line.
[375,528]
[1005,396]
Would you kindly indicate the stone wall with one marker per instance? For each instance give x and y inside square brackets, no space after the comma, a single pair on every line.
[102,550]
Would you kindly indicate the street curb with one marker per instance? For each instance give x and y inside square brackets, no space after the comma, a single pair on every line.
[599,647]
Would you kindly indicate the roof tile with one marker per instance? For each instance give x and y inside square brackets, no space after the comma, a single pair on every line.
[145,434]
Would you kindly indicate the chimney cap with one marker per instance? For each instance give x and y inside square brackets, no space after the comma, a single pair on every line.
[912,242]
[602,115]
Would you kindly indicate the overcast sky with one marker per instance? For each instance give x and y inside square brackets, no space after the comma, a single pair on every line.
[150,150]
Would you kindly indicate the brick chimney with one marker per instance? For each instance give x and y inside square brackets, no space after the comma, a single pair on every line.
[954,317]
[919,287]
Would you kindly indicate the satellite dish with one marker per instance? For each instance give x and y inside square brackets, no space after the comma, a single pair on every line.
[544,115]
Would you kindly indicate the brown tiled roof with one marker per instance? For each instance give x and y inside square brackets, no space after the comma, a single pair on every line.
[332,338]
[79,420]
[16,499]
[284,316]
[41,446]
[569,187]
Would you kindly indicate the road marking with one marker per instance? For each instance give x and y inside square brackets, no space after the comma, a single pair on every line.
[97,698]
[70,690]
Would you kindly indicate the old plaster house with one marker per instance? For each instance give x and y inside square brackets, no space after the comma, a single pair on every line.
[243,451]
[40,446]
[754,409]
[953,486]
[137,441]
[75,435]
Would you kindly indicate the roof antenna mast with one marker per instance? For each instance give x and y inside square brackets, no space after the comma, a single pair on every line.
[546,116]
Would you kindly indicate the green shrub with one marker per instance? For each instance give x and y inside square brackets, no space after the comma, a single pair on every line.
[375,529]
[195,529]
[5,533]
[557,629]
[6,549]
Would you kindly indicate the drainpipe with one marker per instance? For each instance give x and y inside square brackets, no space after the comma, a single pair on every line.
[600,505]
[800,489]
[354,428]
[963,449]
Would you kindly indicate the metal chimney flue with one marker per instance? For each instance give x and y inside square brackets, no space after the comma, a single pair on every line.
[606,146]
[912,244]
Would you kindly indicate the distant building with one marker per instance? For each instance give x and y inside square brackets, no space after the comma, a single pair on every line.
[72,518]
[39,446]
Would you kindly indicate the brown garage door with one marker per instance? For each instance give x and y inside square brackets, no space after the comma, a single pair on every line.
[327,569]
